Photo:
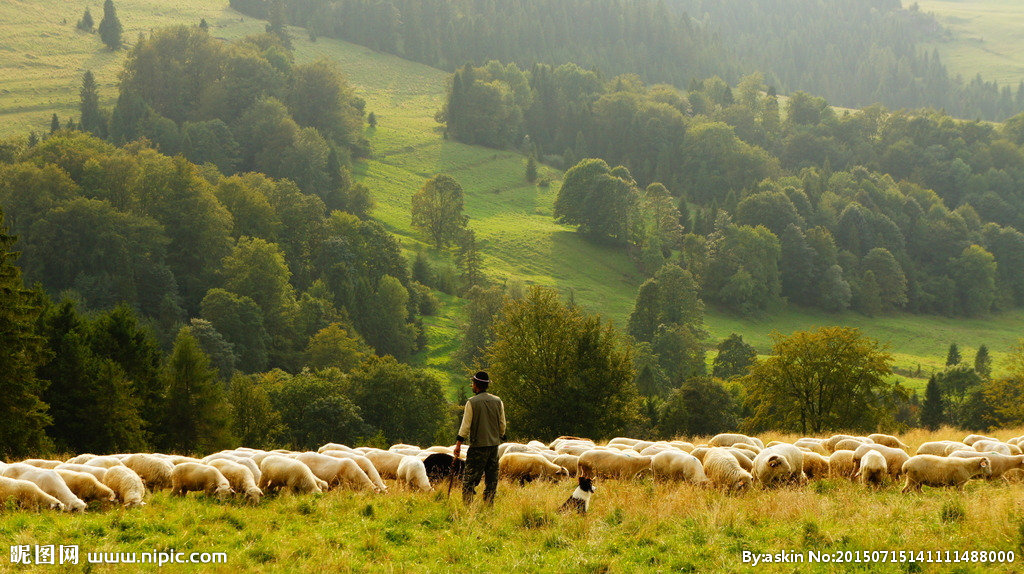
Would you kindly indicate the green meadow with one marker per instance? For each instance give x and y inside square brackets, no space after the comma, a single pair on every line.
[985,40]
[45,56]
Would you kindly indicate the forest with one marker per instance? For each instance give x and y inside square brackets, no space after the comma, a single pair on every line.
[853,52]
[197,266]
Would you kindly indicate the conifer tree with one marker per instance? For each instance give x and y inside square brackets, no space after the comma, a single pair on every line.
[54,123]
[953,355]
[92,117]
[23,414]
[86,24]
[983,362]
[197,415]
[931,410]
[110,26]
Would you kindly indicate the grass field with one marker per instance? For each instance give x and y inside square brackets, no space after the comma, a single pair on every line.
[986,38]
[41,73]
[633,526]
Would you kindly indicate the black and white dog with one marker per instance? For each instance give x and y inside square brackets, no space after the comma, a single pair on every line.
[580,499]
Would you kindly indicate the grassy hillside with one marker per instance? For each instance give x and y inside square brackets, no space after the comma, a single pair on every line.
[985,39]
[512,219]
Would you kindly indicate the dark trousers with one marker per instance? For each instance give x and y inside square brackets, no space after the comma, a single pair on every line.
[481,461]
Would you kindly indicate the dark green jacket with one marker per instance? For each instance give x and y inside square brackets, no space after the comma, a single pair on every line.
[483,423]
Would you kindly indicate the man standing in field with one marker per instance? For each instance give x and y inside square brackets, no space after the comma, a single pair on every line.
[483,427]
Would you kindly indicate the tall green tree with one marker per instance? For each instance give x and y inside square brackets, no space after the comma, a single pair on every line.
[953,355]
[23,414]
[92,120]
[734,357]
[820,381]
[560,371]
[314,408]
[86,24]
[983,362]
[198,416]
[403,403]
[240,320]
[933,410]
[595,199]
[110,26]
[482,309]
[437,210]
[975,274]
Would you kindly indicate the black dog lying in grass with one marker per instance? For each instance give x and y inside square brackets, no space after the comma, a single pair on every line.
[580,499]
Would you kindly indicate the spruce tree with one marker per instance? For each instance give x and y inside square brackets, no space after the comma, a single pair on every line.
[54,123]
[92,118]
[953,355]
[197,414]
[983,362]
[931,411]
[23,414]
[86,24]
[110,26]
[531,169]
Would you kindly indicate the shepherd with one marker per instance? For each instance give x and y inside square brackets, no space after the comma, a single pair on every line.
[483,428]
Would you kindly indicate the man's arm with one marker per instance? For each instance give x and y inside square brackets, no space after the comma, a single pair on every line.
[501,421]
[467,424]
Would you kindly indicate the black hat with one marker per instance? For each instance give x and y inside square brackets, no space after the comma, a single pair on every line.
[481,377]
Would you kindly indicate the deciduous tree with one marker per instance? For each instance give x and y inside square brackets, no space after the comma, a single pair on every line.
[437,210]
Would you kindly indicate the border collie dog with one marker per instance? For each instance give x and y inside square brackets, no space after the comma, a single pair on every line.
[580,499]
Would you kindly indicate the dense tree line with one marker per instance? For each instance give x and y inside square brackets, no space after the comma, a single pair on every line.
[854,53]
[874,210]
[164,284]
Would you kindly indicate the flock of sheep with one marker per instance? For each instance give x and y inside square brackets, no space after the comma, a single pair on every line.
[731,462]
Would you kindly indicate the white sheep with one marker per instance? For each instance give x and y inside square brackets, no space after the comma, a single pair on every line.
[126,484]
[42,463]
[730,439]
[49,482]
[413,473]
[197,477]
[86,486]
[934,470]
[569,462]
[724,471]
[96,471]
[782,463]
[894,457]
[840,464]
[970,439]
[365,464]
[27,494]
[525,467]
[335,446]
[816,466]
[154,471]
[831,442]
[992,446]
[1000,463]
[243,458]
[743,456]
[937,447]
[80,459]
[813,445]
[611,464]
[873,468]
[849,444]
[623,440]
[104,461]
[280,472]
[386,462]
[889,441]
[239,477]
[337,471]
[677,465]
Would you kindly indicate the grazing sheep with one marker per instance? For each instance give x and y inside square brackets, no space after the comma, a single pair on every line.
[96,471]
[678,465]
[525,467]
[723,471]
[954,446]
[873,468]
[848,444]
[992,446]
[239,457]
[80,459]
[508,447]
[177,459]
[441,465]
[934,470]
[682,445]
[42,463]
[970,439]
[813,445]
[699,452]
[747,447]
[569,462]
[126,484]
[365,464]
[612,464]
[154,471]
[239,477]
[86,486]
[280,472]
[656,448]
[413,473]
[335,446]
[386,462]
[27,494]
[744,457]
[1000,463]
[936,447]
[623,440]
[889,441]
[1014,476]
[49,482]
[104,462]
[782,463]
[574,447]
[337,471]
[840,464]
[730,439]
[197,477]
[832,441]
[894,457]
[816,466]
